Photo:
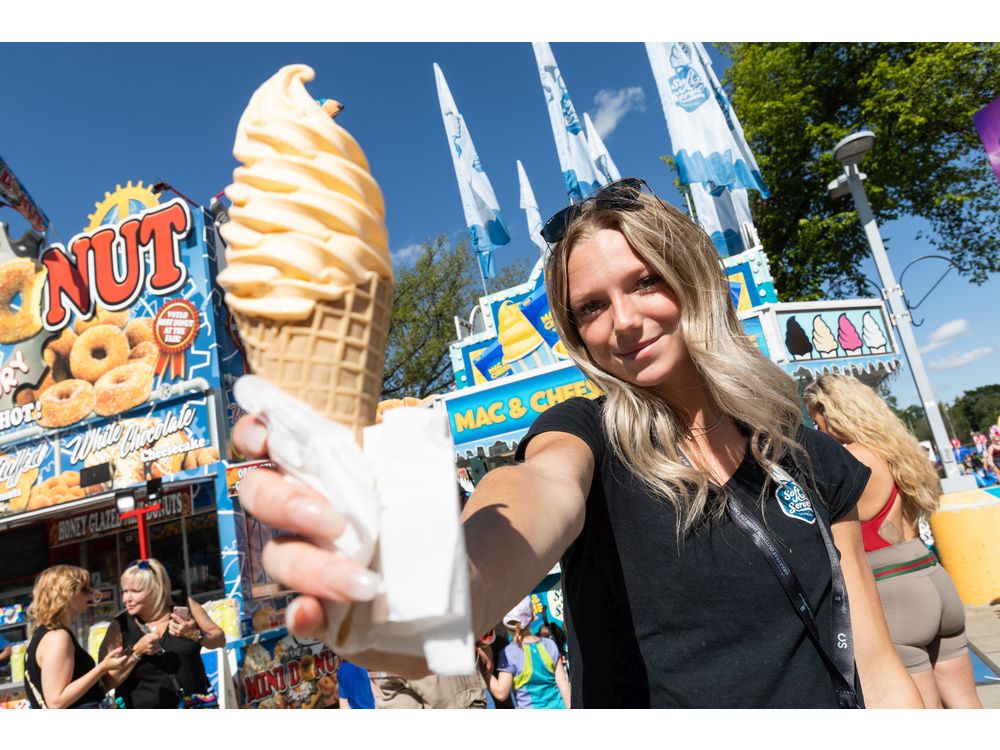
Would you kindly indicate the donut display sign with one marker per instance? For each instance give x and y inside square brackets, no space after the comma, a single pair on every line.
[115,321]
[288,673]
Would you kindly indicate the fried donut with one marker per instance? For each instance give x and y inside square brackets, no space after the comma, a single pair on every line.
[145,351]
[66,403]
[123,387]
[200,457]
[20,276]
[102,317]
[97,351]
[170,463]
[56,354]
[26,394]
[139,330]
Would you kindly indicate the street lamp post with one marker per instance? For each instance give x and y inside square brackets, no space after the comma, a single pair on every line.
[849,152]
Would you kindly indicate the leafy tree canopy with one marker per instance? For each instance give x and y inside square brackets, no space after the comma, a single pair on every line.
[443,283]
[796,101]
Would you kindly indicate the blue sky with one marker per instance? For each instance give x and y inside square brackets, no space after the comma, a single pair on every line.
[82,118]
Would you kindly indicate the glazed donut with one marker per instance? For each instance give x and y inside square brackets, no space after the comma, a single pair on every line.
[97,351]
[145,351]
[20,276]
[66,403]
[123,387]
[139,330]
[102,317]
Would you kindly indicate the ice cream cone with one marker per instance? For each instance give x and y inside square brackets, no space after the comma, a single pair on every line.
[333,359]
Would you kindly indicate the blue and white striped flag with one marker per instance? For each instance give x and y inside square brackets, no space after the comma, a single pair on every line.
[578,170]
[607,172]
[722,215]
[732,120]
[530,206]
[482,210]
[705,148]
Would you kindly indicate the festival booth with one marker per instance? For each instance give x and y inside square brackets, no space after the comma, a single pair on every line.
[116,365]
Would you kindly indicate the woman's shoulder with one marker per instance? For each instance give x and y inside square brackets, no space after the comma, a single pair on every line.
[576,416]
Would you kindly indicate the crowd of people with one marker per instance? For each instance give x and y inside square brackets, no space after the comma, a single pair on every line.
[715,550]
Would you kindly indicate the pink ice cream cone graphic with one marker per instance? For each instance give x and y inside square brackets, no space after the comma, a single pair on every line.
[848,336]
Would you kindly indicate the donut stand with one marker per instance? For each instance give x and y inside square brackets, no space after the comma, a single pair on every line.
[116,364]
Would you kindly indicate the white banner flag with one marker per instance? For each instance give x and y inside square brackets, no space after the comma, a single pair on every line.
[578,170]
[722,215]
[705,148]
[607,172]
[479,202]
[530,206]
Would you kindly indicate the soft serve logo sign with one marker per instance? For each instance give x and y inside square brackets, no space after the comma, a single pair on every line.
[794,502]
[686,86]
[107,265]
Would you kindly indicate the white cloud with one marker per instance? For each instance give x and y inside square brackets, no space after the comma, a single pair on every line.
[960,360]
[407,254]
[612,105]
[953,329]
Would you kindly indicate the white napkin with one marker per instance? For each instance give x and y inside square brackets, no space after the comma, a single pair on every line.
[400,497]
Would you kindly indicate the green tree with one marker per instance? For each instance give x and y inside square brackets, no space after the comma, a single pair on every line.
[443,283]
[977,409]
[796,101]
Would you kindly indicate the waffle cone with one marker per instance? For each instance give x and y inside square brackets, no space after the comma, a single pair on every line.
[332,360]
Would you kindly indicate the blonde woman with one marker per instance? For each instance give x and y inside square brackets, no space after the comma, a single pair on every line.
[164,640]
[924,613]
[59,673]
[667,601]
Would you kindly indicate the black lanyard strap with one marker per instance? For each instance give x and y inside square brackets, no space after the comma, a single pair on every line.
[839,660]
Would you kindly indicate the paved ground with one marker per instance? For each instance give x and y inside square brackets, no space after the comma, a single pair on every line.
[983,627]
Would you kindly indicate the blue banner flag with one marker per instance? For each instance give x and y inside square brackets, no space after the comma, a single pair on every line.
[578,169]
[482,210]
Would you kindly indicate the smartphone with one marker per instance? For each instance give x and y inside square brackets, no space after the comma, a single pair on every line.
[183,612]
[129,650]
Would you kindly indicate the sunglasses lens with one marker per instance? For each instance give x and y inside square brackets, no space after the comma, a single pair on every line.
[555,228]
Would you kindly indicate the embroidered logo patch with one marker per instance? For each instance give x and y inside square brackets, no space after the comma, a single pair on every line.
[794,503]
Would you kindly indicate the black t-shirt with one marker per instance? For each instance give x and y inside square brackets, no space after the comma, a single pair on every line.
[704,623]
[149,684]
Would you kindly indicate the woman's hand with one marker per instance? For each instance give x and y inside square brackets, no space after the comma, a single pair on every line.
[183,627]
[320,574]
[113,661]
[148,645]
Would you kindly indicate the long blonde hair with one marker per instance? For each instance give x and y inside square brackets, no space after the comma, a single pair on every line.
[152,578]
[53,590]
[642,429]
[856,414]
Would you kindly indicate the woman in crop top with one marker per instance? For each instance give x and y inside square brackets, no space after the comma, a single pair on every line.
[922,608]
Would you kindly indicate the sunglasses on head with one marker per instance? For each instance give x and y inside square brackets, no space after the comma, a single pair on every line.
[622,195]
[140,564]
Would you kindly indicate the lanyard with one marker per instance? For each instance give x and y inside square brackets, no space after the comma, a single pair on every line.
[839,660]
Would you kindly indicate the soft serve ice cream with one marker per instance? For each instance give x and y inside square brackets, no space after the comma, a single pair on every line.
[309,277]
[307,220]
[822,338]
[522,344]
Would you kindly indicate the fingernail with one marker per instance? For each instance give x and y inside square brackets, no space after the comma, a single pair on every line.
[361,585]
[254,437]
[320,518]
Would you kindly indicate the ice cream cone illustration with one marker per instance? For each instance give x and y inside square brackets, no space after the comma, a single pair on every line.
[871,333]
[309,277]
[822,338]
[523,346]
[796,340]
[560,350]
[847,335]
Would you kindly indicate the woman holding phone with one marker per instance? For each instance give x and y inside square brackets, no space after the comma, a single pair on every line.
[165,640]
